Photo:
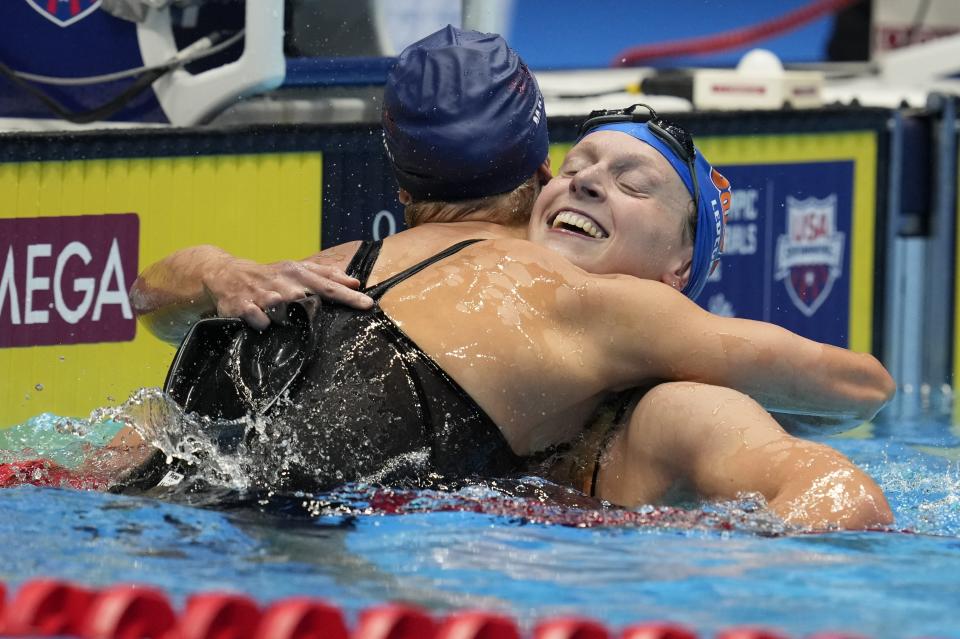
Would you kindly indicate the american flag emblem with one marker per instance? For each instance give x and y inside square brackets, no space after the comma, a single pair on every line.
[64,12]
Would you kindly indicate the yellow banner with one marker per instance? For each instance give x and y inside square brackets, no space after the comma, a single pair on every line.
[261,206]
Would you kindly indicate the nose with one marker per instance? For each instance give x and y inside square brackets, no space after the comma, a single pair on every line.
[587,183]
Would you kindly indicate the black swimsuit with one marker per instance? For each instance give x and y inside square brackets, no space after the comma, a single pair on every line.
[368,405]
[374,407]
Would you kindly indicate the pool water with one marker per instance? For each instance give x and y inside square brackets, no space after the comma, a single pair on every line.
[709,568]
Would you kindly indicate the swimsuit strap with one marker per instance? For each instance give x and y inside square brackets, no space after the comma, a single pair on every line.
[363,260]
[622,402]
[376,292]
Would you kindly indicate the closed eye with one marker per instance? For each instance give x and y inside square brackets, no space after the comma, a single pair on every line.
[569,170]
[573,164]
[638,180]
[634,186]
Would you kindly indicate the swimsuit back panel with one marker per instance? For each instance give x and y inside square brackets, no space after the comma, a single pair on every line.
[372,406]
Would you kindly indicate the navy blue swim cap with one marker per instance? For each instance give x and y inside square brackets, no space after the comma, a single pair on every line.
[713,200]
[462,117]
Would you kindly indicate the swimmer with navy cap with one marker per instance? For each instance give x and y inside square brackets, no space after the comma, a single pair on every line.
[463,117]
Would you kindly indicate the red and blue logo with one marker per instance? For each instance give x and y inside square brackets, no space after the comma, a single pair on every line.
[64,12]
[810,254]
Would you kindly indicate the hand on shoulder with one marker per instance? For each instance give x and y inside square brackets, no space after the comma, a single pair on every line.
[246,289]
[172,294]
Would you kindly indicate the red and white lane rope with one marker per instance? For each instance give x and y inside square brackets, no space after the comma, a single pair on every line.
[53,608]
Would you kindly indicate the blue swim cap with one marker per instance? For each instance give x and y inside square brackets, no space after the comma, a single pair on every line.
[462,117]
[712,203]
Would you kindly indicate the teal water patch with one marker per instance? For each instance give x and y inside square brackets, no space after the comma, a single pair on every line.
[64,440]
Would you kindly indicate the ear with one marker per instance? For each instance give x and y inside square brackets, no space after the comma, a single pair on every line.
[544,173]
[678,277]
[404,196]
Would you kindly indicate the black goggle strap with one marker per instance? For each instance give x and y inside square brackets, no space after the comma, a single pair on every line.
[687,153]
[683,151]
[658,126]
[600,117]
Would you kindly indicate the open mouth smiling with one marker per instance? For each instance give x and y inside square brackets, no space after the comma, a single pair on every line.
[577,222]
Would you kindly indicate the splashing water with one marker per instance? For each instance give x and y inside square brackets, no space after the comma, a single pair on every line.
[160,422]
[921,477]
[198,441]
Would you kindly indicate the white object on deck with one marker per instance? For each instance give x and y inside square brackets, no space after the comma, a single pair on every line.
[758,82]
[189,99]
[920,63]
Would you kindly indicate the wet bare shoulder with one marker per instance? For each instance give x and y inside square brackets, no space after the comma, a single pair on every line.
[337,256]
[507,253]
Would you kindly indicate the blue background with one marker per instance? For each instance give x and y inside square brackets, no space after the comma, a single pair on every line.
[747,281]
[561,34]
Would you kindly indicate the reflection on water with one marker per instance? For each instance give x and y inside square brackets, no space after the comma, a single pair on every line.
[527,548]
[915,462]
[877,584]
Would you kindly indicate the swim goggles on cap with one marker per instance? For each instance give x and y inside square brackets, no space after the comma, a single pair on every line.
[677,147]
[675,137]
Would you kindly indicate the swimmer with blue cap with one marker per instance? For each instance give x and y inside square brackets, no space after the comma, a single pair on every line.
[654,210]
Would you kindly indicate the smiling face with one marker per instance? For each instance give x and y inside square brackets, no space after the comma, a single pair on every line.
[617,206]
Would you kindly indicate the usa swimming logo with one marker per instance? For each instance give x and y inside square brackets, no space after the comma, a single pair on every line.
[810,254]
[64,12]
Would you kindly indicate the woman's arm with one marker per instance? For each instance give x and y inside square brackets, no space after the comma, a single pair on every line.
[802,425]
[124,453]
[648,332]
[722,444]
[202,281]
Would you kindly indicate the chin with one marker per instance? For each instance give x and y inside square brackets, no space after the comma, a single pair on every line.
[578,258]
